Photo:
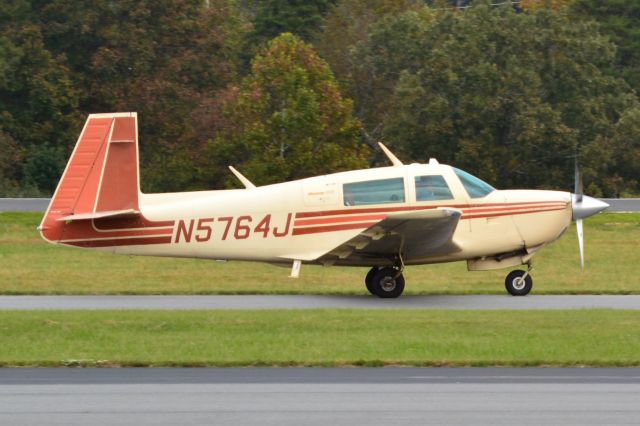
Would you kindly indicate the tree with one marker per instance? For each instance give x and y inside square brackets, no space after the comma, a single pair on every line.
[270,18]
[625,177]
[38,110]
[509,96]
[10,160]
[347,27]
[164,59]
[300,17]
[531,5]
[288,120]
[619,20]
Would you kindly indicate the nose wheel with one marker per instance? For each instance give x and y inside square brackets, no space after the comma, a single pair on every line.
[386,283]
[518,283]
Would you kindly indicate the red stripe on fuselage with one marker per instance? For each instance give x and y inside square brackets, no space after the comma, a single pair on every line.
[115,228]
[511,213]
[332,228]
[468,214]
[87,232]
[354,218]
[125,223]
[512,208]
[121,242]
[355,211]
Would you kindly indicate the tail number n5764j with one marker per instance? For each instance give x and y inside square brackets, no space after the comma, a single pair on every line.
[230,227]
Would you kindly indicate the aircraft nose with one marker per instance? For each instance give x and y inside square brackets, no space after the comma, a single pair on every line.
[586,207]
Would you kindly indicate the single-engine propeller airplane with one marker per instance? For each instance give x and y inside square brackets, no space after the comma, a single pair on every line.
[385,218]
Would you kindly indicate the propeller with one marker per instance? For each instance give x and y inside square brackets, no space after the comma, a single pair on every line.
[583,206]
[578,190]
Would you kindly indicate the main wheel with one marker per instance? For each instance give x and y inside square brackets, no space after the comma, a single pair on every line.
[516,286]
[387,283]
[369,278]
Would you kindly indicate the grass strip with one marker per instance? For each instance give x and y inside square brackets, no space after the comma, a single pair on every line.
[320,338]
[31,266]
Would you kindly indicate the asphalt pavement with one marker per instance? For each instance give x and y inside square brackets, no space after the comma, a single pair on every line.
[481,302]
[40,204]
[23,204]
[622,204]
[299,396]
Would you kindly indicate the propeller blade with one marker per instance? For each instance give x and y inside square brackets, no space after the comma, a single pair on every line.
[580,241]
[578,190]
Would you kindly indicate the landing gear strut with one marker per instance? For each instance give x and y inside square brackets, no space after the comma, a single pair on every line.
[519,283]
[386,282]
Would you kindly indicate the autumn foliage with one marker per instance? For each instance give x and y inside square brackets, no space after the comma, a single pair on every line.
[284,89]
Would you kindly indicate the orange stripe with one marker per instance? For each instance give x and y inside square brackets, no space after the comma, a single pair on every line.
[121,242]
[320,221]
[123,224]
[83,230]
[355,211]
[479,216]
[348,226]
[332,228]
[516,208]
[471,211]
[360,211]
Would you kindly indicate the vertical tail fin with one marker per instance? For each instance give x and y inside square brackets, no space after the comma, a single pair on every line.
[101,178]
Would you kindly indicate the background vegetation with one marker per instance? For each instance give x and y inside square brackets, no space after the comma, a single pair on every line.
[289,88]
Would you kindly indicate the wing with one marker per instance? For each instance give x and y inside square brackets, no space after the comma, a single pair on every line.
[416,235]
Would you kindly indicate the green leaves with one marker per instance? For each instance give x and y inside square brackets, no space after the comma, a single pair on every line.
[511,97]
[510,93]
[290,118]
[38,108]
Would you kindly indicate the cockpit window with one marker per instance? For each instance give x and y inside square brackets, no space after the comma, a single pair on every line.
[429,188]
[475,187]
[382,191]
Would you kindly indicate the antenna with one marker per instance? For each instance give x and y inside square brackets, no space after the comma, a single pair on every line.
[246,182]
[389,154]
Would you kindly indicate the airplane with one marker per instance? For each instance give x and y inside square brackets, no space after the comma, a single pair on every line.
[385,218]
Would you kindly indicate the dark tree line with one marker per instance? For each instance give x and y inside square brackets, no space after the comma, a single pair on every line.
[288,88]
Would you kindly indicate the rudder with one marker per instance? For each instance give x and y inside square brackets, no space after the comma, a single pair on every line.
[101,178]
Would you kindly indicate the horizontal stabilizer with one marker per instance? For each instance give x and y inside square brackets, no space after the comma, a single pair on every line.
[100,215]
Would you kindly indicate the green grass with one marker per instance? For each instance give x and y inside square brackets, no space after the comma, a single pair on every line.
[320,338]
[28,265]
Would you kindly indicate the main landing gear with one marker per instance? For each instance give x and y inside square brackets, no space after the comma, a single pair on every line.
[385,282]
[519,283]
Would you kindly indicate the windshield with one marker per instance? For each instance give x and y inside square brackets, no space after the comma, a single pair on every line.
[475,187]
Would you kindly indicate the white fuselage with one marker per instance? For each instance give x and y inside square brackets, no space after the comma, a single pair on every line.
[301,220]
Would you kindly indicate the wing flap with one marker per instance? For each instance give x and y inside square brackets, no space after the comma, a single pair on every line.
[416,234]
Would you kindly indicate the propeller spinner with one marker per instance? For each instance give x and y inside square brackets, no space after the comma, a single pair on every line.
[583,206]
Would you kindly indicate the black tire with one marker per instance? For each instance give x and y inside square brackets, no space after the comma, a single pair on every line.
[514,285]
[369,278]
[386,285]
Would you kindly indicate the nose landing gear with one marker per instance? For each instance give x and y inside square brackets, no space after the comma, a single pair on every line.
[519,283]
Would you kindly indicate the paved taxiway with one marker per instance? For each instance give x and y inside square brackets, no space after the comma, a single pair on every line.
[482,302]
[40,204]
[294,396]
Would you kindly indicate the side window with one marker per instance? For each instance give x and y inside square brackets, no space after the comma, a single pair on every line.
[383,191]
[429,188]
